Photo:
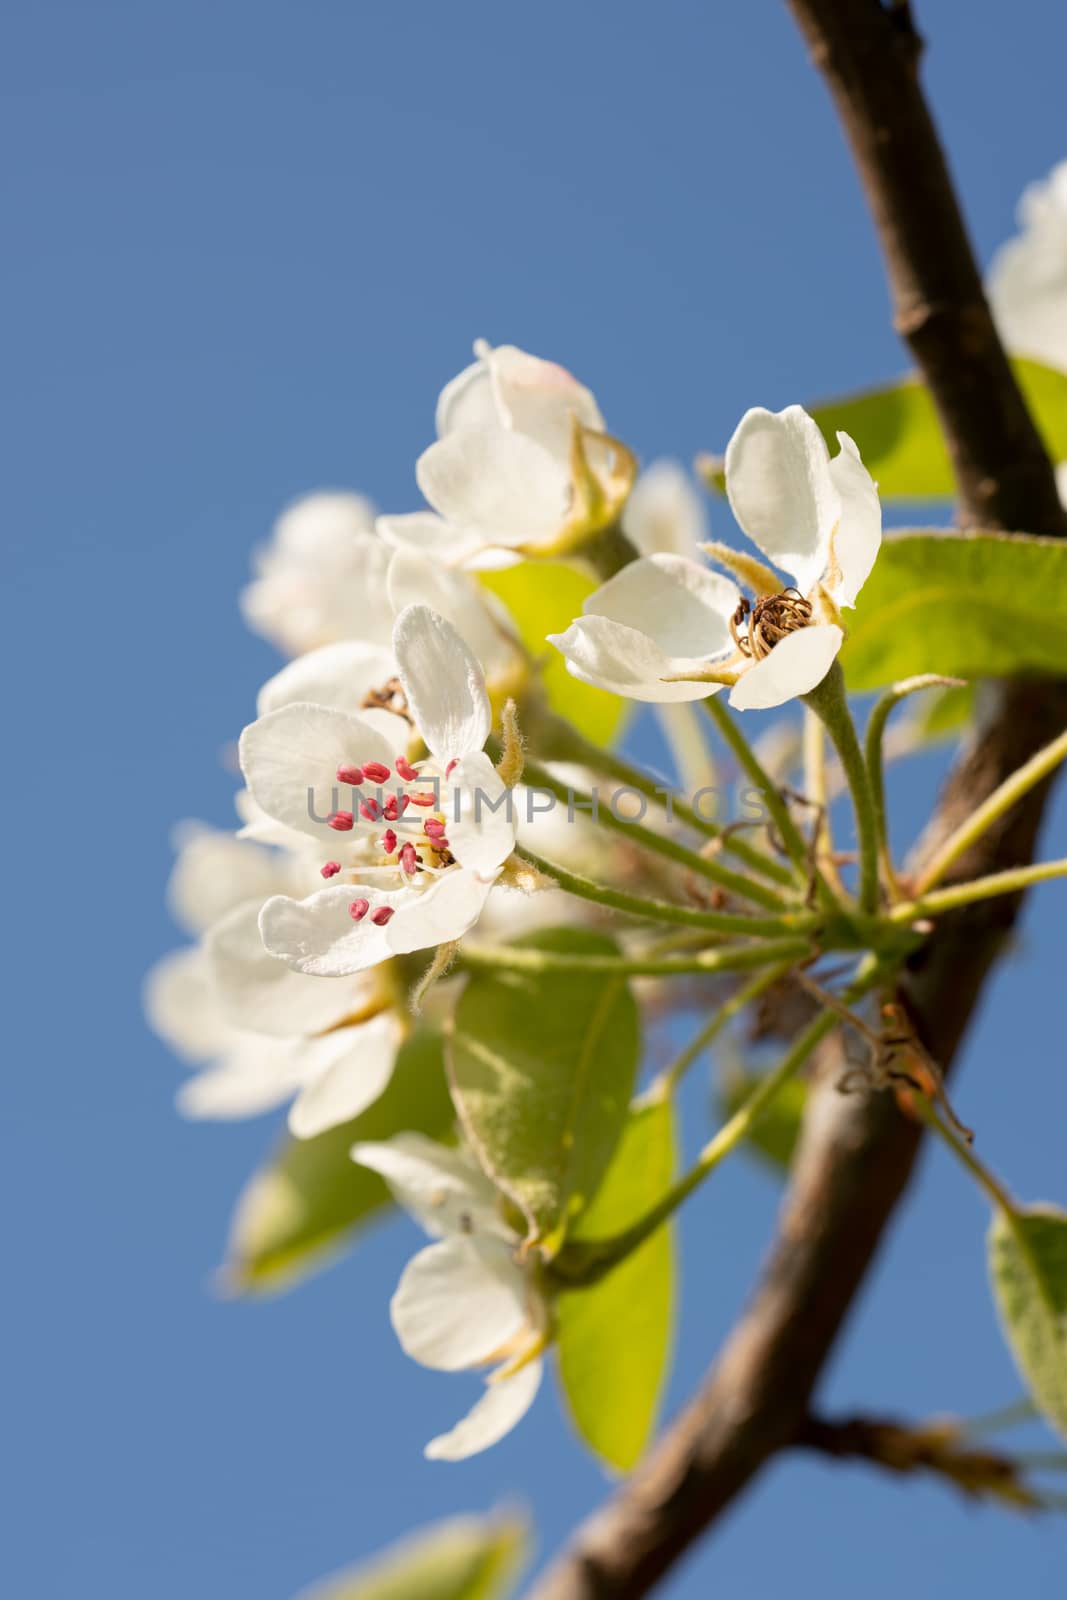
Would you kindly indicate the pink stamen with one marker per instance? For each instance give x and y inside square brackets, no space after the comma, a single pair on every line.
[342,821]
[376,772]
[358,910]
[331,869]
[388,841]
[383,915]
[408,858]
[347,773]
[422,798]
[369,809]
[405,770]
[434,828]
[395,807]
[452,765]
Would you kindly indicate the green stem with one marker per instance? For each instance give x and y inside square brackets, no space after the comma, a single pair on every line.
[540,777]
[1013,881]
[1001,800]
[795,844]
[987,1181]
[727,958]
[876,762]
[669,1079]
[564,743]
[635,905]
[586,1261]
[830,704]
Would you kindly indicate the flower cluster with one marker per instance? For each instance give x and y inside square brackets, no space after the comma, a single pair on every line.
[376,819]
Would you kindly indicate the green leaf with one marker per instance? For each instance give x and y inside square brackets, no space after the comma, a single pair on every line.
[900,439]
[969,605]
[775,1134]
[542,1066]
[945,713]
[465,1558]
[1028,1268]
[300,1210]
[614,1338]
[544,597]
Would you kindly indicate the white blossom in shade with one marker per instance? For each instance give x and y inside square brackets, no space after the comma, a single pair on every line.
[312,578]
[256,1032]
[443,828]
[522,463]
[665,513]
[665,628]
[1028,278]
[466,1301]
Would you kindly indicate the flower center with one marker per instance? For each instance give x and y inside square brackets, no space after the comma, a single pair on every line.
[413,844]
[769,620]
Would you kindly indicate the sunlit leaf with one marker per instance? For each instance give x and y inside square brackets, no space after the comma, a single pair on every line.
[900,439]
[966,605]
[544,597]
[1028,1268]
[465,1558]
[308,1202]
[542,1067]
[614,1338]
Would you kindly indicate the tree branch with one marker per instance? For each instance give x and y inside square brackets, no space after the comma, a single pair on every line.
[937,1447]
[857,1152]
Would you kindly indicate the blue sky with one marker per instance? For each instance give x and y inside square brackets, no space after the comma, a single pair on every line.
[246,245]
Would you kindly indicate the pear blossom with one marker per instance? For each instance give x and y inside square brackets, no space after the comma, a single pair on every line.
[467,1300]
[257,1033]
[522,464]
[312,578]
[665,628]
[1028,278]
[415,848]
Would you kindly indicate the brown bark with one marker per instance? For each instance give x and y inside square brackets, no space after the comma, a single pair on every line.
[857,1151]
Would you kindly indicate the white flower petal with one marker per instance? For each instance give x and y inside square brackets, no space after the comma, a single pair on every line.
[258,992]
[681,605]
[256,1075]
[416,580]
[427,534]
[318,936]
[797,664]
[298,749]
[459,1302]
[858,536]
[481,815]
[779,485]
[339,675]
[314,575]
[447,910]
[444,683]
[468,401]
[343,1087]
[440,1186]
[216,871]
[182,1007]
[503,485]
[625,661]
[503,1405]
[665,513]
[540,399]
[661,617]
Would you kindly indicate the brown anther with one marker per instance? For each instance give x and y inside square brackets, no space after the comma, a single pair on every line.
[390,697]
